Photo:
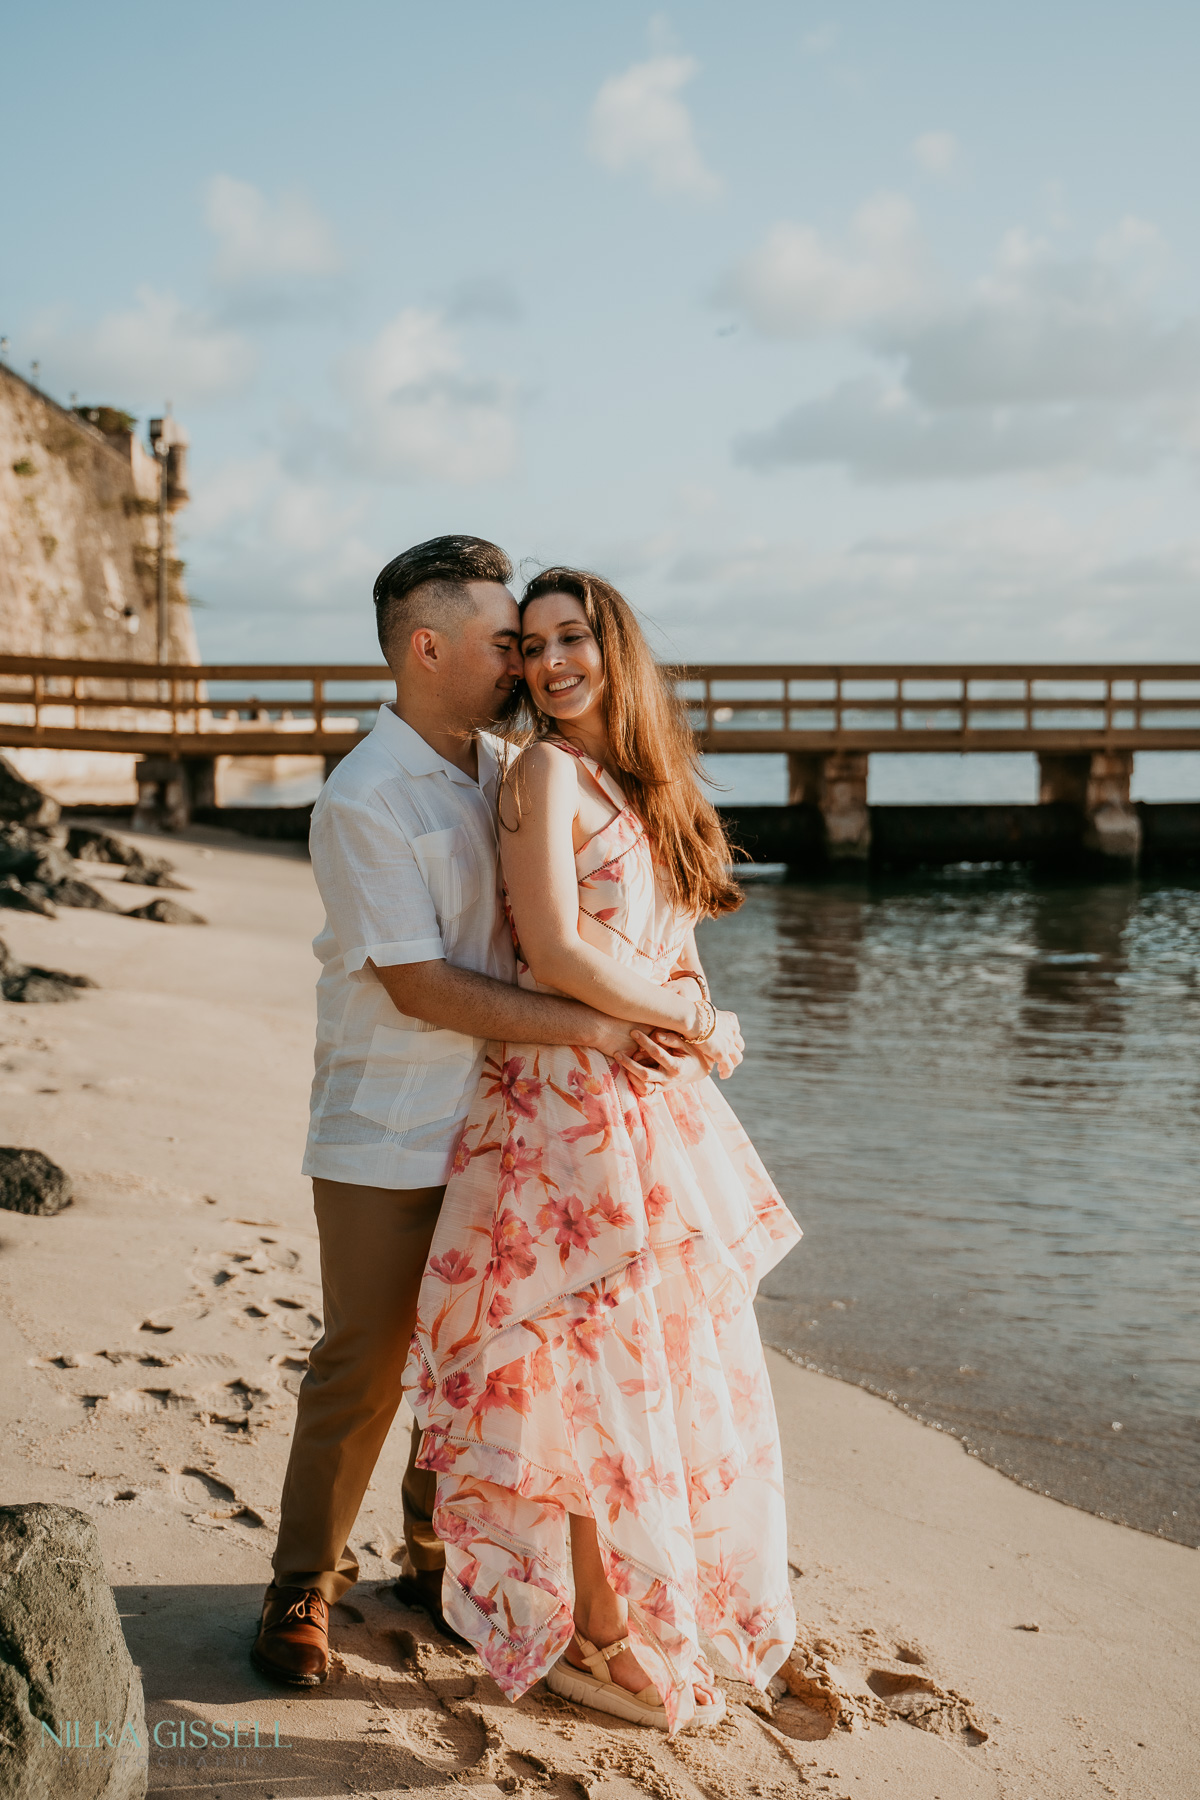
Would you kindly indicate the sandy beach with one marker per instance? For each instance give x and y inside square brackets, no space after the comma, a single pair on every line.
[961,1636]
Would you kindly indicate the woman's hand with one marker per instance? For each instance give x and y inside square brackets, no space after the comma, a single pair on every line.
[724,1049]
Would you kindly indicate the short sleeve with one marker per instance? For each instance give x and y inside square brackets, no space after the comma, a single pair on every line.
[376,901]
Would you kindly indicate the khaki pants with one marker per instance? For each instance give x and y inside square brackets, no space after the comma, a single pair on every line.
[374,1243]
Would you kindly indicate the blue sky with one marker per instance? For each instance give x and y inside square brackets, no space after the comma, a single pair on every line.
[835,331]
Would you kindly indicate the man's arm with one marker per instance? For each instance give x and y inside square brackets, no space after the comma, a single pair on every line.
[478,1006]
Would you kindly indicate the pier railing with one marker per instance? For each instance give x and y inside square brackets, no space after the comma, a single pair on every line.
[279,709]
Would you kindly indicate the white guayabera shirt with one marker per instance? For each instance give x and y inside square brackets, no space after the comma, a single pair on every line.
[405,854]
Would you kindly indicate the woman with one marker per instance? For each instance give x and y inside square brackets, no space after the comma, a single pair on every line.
[586,1365]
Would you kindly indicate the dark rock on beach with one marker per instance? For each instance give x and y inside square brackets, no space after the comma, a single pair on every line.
[31,1183]
[15,894]
[154,875]
[32,855]
[81,893]
[20,800]
[167,912]
[63,1657]
[26,983]
[86,844]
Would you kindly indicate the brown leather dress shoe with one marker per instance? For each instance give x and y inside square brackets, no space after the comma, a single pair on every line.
[293,1637]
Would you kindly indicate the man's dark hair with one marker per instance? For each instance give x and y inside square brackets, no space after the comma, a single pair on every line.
[426,585]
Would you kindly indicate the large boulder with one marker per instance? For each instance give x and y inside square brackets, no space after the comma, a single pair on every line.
[31,1183]
[20,800]
[68,1689]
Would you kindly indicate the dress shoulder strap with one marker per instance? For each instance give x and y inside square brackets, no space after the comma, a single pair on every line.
[600,776]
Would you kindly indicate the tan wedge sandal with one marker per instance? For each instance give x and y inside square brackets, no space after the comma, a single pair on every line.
[599,1690]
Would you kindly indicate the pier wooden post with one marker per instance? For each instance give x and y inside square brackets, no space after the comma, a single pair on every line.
[1097,782]
[201,774]
[835,782]
[163,800]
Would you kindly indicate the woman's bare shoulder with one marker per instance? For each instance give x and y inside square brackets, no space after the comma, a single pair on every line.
[540,775]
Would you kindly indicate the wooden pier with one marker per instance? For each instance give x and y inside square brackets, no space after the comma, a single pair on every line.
[1085,723]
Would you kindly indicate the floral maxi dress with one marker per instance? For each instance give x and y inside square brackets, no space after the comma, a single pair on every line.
[586,1342]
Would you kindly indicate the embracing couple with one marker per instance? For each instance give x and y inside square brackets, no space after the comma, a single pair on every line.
[538,1218]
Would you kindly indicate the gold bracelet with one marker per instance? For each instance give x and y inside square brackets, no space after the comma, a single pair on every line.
[691,975]
[703,1036]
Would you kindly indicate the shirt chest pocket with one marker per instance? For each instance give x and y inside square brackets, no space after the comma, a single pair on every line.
[416,1077]
[450,870]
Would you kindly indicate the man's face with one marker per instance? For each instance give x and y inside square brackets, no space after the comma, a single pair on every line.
[485,663]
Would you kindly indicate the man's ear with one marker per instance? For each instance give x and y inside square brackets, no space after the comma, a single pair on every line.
[425,647]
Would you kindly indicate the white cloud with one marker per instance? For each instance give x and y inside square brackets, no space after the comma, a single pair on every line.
[797,284]
[415,414]
[936,152]
[259,240]
[966,589]
[639,122]
[156,349]
[1050,363]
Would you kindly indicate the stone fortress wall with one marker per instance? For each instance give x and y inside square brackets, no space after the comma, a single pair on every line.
[79,556]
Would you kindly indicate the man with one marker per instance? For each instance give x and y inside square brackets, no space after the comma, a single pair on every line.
[417,974]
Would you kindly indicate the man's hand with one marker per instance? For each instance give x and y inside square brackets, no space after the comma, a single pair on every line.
[663,1060]
[612,1037]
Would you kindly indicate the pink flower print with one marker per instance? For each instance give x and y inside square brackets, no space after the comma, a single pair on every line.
[584,1336]
[521,1092]
[690,1119]
[573,1230]
[505,1390]
[512,1249]
[613,1212]
[698,1494]
[677,1344]
[458,1389]
[425,1381]
[754,1620]
[721,1583]
[499,1309]
[468,1574]
[516,1666]
[462,1155]
[518,1163]
[452,1528]
[744,1391]
[626,1488]
[657,1202]
[666,1481]
[437,1453]
[595,1098]
[580,1409]
[660,1603]
[542,1373]
[454,1266]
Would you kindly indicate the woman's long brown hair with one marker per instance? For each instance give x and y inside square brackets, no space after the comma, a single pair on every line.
[652,752]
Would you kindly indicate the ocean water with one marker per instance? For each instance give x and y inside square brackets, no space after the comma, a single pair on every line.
[981,1097]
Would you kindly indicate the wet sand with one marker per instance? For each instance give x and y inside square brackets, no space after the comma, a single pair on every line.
[154,1335]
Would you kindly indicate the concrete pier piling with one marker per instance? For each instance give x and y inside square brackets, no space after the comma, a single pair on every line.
[835,782]
[1097,784]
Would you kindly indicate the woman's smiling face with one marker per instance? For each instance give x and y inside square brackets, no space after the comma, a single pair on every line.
[564,671]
